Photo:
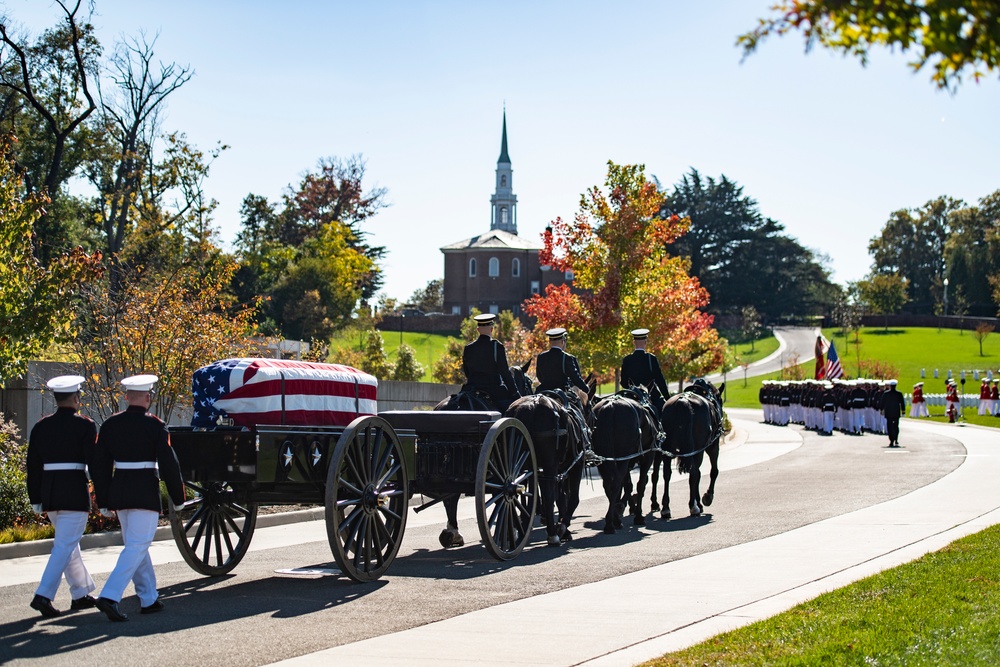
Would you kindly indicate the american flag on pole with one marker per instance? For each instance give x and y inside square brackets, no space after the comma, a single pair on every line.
[833,368]
[279,391]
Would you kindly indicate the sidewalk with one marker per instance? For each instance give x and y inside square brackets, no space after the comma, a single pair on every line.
[685,602]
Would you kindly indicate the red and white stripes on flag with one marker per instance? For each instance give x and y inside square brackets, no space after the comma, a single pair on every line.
[279,391]
[833,368]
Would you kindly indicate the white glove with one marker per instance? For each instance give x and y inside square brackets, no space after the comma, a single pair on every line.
[105,512]
[36,508]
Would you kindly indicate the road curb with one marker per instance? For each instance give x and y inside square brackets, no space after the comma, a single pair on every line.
[114,538]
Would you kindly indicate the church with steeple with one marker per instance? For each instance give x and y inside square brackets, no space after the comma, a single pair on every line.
[497,270]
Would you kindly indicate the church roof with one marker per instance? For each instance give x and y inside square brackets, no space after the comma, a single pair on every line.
[496,238]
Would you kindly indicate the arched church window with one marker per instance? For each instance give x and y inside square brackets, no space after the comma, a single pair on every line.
[515,267]
[503,181]
[503,215]
[472,267]
[494,267]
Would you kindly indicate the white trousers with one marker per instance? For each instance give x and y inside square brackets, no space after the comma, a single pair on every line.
[134,564]
[828,422]
[65,558]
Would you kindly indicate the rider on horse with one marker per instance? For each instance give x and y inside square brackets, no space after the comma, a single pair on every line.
[484,361]
[643,368]
[557,370]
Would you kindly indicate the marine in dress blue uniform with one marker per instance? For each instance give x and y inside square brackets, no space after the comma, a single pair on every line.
[133,454]
[60,447]
[484,362]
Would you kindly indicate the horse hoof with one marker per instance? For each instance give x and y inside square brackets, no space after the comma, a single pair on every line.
[554,541]
[665,514]
[640,520]
[695,511]
[609,529]
[564,533]
[654,507]
[450,537]
[707,499]
[617,523]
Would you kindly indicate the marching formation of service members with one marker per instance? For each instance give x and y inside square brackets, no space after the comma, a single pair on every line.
[850,406]
[126,460]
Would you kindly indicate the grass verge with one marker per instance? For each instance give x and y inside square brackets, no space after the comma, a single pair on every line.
[939,610]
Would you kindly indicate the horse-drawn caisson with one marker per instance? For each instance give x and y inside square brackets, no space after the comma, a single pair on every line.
[270,432]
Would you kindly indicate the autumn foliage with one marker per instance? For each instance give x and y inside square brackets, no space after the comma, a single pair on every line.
[625,279]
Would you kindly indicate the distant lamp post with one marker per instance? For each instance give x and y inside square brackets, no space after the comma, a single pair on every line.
[401,316]
[946,296]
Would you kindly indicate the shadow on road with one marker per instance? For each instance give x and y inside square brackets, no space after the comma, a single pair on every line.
[191,604]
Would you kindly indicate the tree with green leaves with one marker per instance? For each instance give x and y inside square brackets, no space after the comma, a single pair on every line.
[407,369]
[45,100]
[335,193]
[35,300]
[375,359]
[740,256]
[954,37]
[884,293]
[912,243]
[430,298]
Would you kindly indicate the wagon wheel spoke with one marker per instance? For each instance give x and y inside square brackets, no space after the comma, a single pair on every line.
[505,499]
[366,496]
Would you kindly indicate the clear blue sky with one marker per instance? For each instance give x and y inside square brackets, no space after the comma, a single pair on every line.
[826,147]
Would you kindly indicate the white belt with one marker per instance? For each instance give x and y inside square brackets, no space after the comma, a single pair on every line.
[65,466]
[135,465]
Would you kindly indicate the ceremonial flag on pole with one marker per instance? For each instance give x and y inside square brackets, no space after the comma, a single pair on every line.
[833,367]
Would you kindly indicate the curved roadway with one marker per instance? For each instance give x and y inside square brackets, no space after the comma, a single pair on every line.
[608,599]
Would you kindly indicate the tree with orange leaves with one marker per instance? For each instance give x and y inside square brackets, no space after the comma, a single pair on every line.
[624,279]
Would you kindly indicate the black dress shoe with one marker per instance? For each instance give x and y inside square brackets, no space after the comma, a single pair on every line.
[153,608]
[86,602]
[44,607]
[111,610]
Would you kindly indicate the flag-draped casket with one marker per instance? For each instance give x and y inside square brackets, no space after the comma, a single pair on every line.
[279,391]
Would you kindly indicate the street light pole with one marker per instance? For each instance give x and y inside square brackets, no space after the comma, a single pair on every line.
[946,297]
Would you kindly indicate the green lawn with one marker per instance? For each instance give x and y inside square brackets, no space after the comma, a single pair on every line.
[940,610]
[428,347]
[910,351]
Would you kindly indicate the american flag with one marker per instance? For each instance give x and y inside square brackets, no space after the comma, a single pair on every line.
[833,368]
[278,391]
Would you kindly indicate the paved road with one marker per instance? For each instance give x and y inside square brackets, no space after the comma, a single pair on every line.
[775,481]
[795,345]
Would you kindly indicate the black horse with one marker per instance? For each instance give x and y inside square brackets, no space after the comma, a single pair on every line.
[692,425]
[559,439]
[471,399]
[624,435]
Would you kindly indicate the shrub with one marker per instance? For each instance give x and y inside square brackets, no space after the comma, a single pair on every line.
[15,508]
[876,369]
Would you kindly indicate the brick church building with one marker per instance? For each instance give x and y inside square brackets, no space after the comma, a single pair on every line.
[496,270]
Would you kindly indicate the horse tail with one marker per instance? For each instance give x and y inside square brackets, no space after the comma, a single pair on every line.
[604,430]
[685,434]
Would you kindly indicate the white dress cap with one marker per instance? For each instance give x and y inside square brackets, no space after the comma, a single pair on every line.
[556,334]
[65,384]
[639,334]
[139,382]
[484,319]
